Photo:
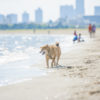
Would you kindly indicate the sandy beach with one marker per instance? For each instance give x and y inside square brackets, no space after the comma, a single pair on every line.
[77,77]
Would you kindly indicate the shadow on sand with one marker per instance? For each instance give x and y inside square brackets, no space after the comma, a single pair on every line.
[63,67]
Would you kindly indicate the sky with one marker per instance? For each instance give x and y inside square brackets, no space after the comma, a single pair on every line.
[51,8]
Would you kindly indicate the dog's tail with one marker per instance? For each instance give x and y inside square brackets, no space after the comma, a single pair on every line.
[57,44]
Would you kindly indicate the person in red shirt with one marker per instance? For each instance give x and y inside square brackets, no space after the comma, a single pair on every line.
[90,29]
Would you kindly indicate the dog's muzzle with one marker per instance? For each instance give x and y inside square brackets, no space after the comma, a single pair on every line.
[43,52]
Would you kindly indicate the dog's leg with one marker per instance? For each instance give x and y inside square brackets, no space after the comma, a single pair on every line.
[53,62]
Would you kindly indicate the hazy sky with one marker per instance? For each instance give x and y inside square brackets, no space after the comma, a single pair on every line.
[50,7]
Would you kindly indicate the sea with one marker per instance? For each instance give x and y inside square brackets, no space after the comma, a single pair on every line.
[20,53]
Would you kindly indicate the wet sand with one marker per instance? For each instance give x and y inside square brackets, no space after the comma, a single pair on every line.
[76,78]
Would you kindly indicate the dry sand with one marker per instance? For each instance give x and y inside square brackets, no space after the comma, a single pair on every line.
[77,77]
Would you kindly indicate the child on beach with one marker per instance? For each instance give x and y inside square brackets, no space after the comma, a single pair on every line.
[75,37]
[80,39]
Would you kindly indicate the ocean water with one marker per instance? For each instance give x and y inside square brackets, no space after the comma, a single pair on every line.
[19,52]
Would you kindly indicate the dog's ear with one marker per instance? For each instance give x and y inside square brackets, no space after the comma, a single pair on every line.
[44,46]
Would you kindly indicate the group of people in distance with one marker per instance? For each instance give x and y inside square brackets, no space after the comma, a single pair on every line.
[78,37]
[92,30]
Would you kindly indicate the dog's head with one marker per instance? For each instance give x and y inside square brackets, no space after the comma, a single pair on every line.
[43,49]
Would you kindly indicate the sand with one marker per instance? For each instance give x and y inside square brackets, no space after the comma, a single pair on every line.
[76,78]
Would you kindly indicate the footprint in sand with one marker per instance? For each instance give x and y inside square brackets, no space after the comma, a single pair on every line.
[88,61]
[69,67]
[97,83]
[82,69]
[94,92]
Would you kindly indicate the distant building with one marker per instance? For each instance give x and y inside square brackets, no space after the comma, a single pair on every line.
[66,12]
[80,11]
[11,19]
[2,19]
[93,19]
[97,10]
[39,16]
[25,18]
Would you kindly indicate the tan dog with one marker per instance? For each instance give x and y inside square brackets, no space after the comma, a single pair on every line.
[52,52]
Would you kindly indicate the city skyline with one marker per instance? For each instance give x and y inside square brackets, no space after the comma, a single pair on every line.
[51,10]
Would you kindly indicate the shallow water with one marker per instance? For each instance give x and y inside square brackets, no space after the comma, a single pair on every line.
[19,52]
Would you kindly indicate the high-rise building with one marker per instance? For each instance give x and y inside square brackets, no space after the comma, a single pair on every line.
[97,10]
[80,11]
[39,16]
[2,19]
[11,19]
[66,12]
[25,18]
[63,13]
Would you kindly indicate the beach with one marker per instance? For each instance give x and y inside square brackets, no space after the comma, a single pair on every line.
[76,78]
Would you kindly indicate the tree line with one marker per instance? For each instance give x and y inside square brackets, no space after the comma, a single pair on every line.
[38,26]
[31,26]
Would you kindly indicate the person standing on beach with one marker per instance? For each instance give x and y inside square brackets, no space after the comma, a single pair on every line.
[90,30]
[93,30]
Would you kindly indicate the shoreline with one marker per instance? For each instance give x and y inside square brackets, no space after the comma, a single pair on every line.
[77,78]
[39,31]
[43,31]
